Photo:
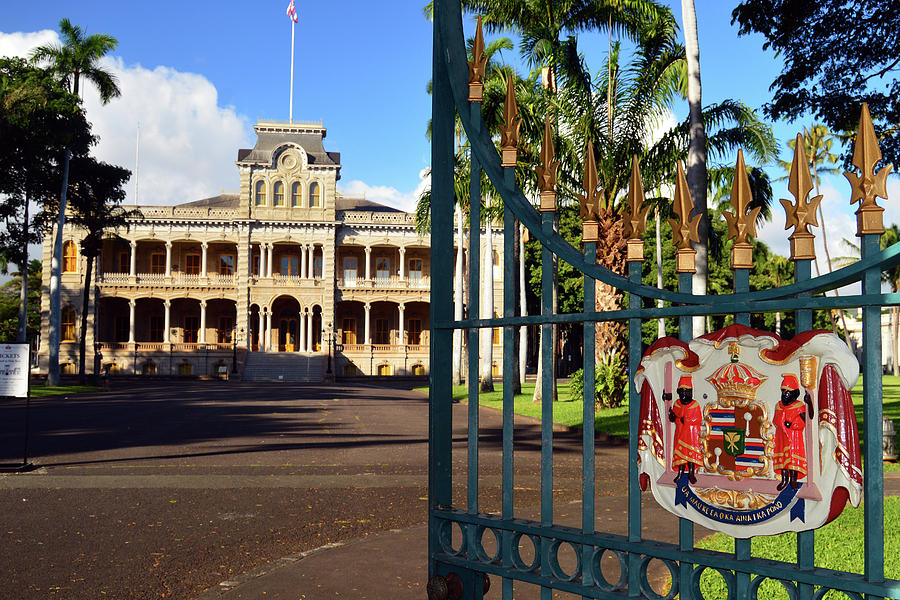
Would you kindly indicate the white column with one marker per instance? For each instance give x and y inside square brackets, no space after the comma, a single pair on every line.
[303,251]
[168,259]
[366,329]
[368,263]
[268,331]
[311,269]
[270,248]
[204,246]
[203,321]
[301,341]
[132,268]
[402,341]
[260,331]
[402,268]
[262,270]
[131,306]
[166,320]
[309,332]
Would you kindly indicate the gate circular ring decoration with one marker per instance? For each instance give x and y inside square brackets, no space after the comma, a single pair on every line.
[596,570]
[647,590]
[788,586]
[478,540]
[516,556]
[727,576]
[556,569]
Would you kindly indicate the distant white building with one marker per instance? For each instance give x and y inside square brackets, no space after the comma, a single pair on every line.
[278,268]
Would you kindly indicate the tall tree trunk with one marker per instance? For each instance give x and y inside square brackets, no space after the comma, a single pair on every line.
[22,336]
[523,308]
[55,268]
[85,305]
[660,323]
[485,375]
[815,174]
[895,330]
[696,161]
[516,258]
[458,301]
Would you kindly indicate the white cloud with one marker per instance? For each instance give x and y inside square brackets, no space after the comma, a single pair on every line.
[188,143]
[388,195]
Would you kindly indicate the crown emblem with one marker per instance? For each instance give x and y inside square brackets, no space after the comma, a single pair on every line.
[736,383]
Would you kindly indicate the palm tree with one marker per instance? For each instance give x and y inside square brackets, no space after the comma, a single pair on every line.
[97,194]
[817,143]
[696,156]
[891,277]
[78,56]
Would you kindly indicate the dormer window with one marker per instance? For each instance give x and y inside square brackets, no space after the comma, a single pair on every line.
[260,193]
[278,194]
[314,195]
[296,194]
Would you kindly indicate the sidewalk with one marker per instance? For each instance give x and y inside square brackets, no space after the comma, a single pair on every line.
[392,565]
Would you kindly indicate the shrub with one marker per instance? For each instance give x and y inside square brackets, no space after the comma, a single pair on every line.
[610,381]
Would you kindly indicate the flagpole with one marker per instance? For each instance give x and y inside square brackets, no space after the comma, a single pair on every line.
[291,110]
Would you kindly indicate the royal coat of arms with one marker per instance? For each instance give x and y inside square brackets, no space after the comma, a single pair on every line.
[748,434]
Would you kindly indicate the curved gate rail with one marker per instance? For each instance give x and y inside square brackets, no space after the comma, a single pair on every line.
[463,565]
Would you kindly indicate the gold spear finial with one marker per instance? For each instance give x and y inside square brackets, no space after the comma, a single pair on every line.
[477,66]
[635,223]
[591,198]
[801,214]
[546,171]
[509,133]
[685,231]
[869,185]
[741,224]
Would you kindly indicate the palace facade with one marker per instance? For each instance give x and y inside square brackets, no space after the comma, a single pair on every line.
[265,283]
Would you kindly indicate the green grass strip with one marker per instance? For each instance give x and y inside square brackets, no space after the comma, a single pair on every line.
[838,546]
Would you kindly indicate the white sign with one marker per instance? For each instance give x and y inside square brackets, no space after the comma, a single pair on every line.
[14,370]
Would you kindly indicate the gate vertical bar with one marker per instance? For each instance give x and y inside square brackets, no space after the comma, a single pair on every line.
[474,313]
[685,527]
[635,227]
[742,546]
[806,540]
[508,147]
[547,383]
[588,400]
[440,415]
[685,266]
[509,355]
[872,419]
[634,402]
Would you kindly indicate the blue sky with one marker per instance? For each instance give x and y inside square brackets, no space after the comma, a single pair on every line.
[198,75]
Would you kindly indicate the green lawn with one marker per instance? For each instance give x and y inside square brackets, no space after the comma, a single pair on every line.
[838,547]
[38,391]
[565,412]
[615,420]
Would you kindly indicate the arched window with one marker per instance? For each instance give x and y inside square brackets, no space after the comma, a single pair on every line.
[278,194]
[296,192]
[70,257]
[260,193]
[314,195]
[68,324]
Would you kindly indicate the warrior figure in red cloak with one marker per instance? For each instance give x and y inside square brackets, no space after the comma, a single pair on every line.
[790,423]
[687,416]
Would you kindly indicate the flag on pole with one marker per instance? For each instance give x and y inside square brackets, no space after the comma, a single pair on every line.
[292,12]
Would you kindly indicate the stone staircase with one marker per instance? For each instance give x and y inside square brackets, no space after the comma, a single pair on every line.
[292,367]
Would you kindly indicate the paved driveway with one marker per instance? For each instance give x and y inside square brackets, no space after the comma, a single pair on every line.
[168,489]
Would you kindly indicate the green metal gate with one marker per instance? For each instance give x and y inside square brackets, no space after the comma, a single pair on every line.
[459,569]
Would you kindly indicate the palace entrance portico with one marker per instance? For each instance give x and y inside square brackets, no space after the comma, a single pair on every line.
[286,326]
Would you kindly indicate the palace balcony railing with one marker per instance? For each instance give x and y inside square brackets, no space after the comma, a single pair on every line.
[159,279]
[385,283]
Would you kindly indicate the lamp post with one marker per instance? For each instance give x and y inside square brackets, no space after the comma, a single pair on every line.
[330,349]
[235,336]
